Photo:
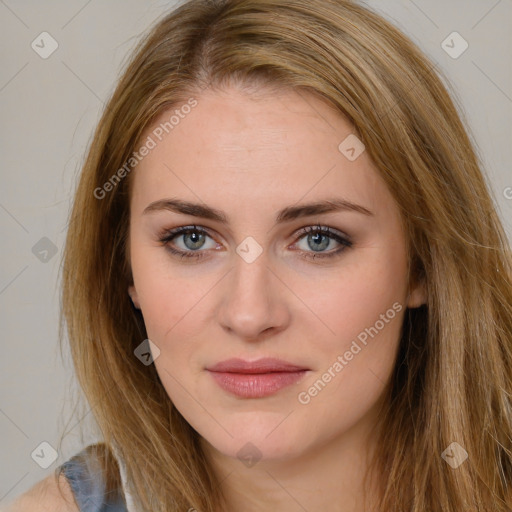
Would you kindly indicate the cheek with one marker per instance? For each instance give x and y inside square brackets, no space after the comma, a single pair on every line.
[167,295]
[167,308]
[175,311]
[354,297]
[365,310]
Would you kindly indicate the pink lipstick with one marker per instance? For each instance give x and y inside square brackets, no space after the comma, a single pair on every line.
[256,379]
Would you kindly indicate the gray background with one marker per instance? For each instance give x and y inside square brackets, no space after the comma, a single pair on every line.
[49,110]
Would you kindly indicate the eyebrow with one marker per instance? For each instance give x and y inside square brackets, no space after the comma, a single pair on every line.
[285,215]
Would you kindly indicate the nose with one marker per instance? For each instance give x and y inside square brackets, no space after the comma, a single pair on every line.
[253,306]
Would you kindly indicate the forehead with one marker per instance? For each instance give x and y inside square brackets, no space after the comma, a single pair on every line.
[233,147]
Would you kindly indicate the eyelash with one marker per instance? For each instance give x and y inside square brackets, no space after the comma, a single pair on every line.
[167,236]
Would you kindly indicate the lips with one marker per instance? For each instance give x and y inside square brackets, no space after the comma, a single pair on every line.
[256,379]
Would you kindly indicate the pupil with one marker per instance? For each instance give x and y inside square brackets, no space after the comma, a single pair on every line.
[196,238]
[317,238]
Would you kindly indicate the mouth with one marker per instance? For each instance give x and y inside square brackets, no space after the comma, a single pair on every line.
[256,379]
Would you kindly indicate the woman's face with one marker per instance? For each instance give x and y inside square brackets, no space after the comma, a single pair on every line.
[248,286]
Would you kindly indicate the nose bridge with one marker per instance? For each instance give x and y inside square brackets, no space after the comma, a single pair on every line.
[252,303]
[251,269]
[250,278]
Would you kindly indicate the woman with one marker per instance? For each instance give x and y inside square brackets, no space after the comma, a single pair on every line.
[285,283]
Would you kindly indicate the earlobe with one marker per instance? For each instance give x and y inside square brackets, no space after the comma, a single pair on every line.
[417,296]
[133,295]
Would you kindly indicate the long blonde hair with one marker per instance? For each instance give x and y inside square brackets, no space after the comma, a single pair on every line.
[453,377]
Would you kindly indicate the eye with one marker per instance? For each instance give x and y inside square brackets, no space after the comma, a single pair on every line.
[193,240]
[319,238]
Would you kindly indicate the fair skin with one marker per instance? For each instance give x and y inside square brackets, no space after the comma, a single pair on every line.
[250,157]
[45,496]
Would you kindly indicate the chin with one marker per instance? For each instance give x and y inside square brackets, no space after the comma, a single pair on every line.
[257,439]
[250,451]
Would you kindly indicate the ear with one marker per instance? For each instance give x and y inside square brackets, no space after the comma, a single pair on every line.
[417,295]
[133,294]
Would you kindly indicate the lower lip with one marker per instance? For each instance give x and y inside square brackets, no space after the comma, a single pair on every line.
[256,385]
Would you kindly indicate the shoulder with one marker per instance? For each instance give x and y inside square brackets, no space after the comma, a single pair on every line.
[89,480]
[50,494]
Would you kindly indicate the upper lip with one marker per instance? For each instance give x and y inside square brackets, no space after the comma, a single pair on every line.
[265,365]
